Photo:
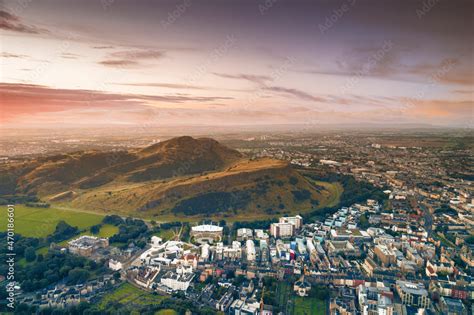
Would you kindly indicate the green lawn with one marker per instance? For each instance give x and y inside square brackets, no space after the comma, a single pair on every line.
[108,230]
[166,312]
[128,295]
[41,250]
[41,222]
[308,306]
[284,293]
[167,234]
[296,305]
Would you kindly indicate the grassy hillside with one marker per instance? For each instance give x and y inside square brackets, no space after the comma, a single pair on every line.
[84,170]
[249,190]
[182,178]
[41,222]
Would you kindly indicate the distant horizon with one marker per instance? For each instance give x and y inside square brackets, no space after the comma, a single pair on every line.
[180,130]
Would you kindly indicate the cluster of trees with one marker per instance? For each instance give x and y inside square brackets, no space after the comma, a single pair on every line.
[82,308]
[364,221]
[63,232]
[354,192]
[130,230]
[177,303]
[22,249]
[38,204]
[262,224]
[55,266]
[213,202]
[113,219]
[358,191]
[7,199]
[43,270]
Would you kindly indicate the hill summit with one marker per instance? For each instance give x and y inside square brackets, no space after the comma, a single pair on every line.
[182,176]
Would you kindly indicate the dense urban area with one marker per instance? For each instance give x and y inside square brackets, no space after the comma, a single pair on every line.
[400,239]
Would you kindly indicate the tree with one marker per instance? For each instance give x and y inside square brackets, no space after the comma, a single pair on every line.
[30,254]
[470,239]
[77,275]
[63,232]
[95,229]
[117,275]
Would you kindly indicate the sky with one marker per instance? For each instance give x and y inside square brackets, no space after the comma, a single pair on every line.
[228,63]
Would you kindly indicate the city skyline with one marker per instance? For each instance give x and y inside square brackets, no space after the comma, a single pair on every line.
[108,63]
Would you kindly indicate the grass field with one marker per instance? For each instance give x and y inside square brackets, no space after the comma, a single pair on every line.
[41,222]
[284,294]
[167,234]
[108,230]
[296,305]
[166,312]
[335,190]
[333,196]
[128,295]
[308,306]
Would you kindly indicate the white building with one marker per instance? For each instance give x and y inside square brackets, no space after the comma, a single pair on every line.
[115,265]
[183,269]
[177,282]
[205,252]
[375,300]
[244,234]
[413,294]
[297,221]
[278,230]
[251,253]
[164,253]
[234,252]
[156,241]
[261,235]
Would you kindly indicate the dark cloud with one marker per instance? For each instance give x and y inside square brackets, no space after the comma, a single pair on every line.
[70,56]
[130,58]
[10,22]
[138,54]
[296,93]
[448,70]
[165,85]
[118,63]
[103,47]
[11,55]
[258,79]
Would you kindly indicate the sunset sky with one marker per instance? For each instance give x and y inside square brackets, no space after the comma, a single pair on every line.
[189,62]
